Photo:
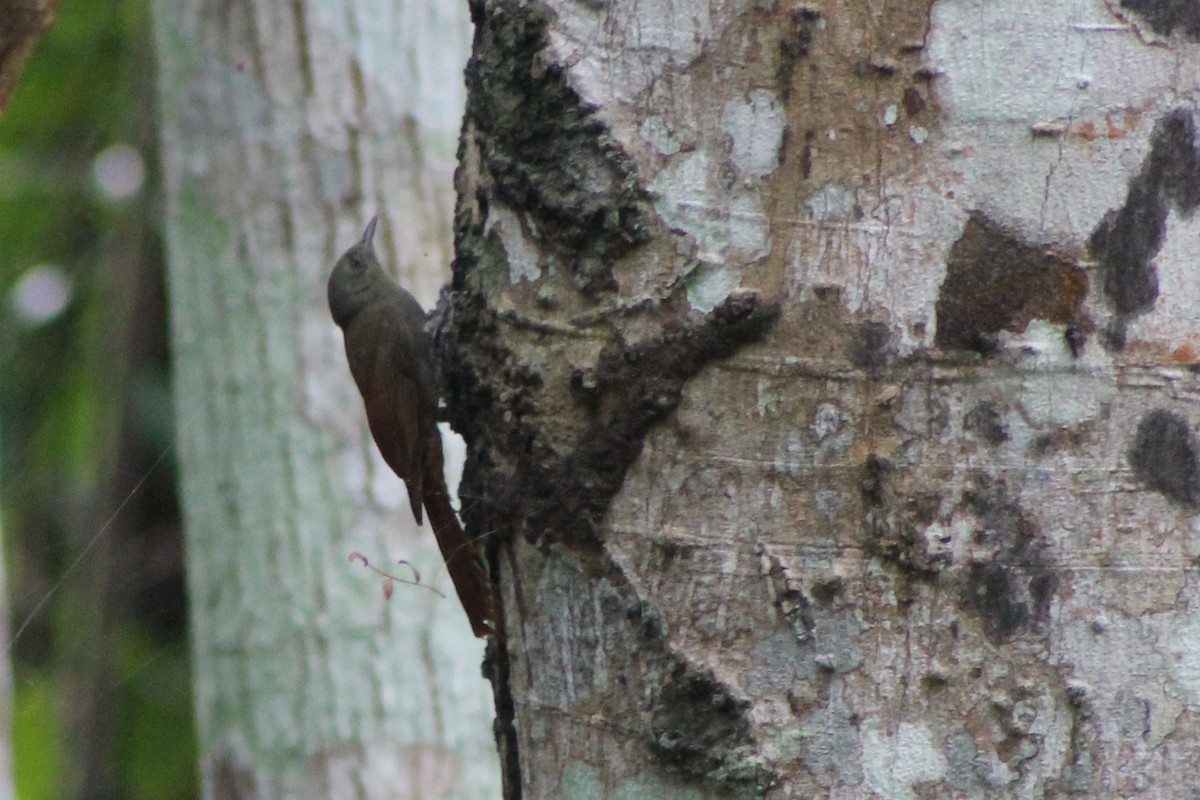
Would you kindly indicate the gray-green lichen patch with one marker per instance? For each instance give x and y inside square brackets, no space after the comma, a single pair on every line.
[755,125]
[828,742]
[582,781]
[894,762]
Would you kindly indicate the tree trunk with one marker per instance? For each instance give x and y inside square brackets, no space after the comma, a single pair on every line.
[828,378]
[285,127]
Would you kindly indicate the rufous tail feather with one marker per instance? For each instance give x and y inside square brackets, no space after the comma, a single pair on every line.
[471,582]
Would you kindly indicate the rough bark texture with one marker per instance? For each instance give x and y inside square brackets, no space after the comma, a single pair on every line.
[828,374]
[285,128]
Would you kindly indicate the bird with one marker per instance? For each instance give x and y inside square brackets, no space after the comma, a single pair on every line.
[392,362]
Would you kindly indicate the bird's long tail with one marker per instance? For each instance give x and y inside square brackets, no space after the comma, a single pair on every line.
[471,582]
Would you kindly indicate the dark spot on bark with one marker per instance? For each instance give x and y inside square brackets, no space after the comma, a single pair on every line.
[983,342]
[561,490]
[795,43]
[827,590]
[1078,775]
[1043,445]
[1163,456]
[913,102]
[1042,585]
[985,421]
[1127,239]
[700,728]
[497,668]
[994,282]
[1165,16]
[231,779]
[630,389]
[1000,519]
[1076,340]
[875,473]
[869,347]
[932,682]
[551,156]
[1113,336]
[692,722]
[988,591]
[895,521]
[1011,590]
[793,605]
[695,723]
[1064,437]
[883,67]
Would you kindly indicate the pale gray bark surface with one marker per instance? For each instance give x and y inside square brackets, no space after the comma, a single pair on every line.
[285,128]
[929,533]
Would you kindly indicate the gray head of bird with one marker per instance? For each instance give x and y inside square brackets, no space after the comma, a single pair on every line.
[355,278]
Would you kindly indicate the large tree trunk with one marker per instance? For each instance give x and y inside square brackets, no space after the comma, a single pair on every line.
[285,127]
[828,376]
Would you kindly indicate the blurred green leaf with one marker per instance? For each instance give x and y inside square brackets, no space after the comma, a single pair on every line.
[35,733]
[71,422]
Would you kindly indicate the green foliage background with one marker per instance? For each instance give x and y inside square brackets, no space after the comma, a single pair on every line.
[87,475]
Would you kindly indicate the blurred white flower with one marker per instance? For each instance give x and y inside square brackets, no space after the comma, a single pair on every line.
[119,172]
[40,294]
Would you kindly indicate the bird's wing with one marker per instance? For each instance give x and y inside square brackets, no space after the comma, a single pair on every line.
[388,380]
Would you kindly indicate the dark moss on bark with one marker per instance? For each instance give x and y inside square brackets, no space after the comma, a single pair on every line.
[549,154]
[531,145]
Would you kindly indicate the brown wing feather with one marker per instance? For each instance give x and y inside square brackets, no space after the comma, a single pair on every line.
[392,364]
[388,380]
[397,436]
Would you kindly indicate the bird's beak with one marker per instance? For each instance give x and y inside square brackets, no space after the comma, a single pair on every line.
[369,234]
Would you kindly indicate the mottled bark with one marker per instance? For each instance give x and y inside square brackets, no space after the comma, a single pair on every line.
[828,375]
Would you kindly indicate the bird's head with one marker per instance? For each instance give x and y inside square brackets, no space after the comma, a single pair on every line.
[354,277]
